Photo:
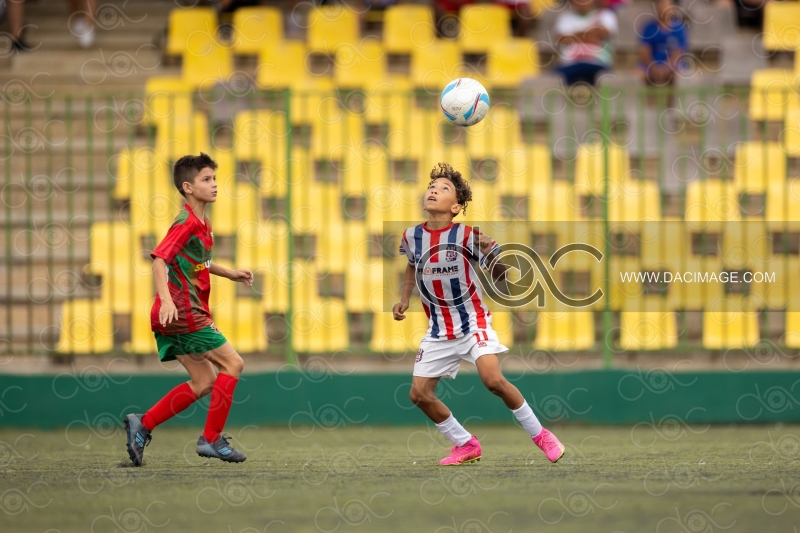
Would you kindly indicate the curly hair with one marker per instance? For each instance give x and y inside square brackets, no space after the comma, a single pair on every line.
[463,192]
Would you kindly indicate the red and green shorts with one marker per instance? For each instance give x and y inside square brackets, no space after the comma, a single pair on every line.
[196,342]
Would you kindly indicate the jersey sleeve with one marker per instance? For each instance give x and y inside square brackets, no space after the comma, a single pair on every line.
[405,249]
[474,249]
[176,238]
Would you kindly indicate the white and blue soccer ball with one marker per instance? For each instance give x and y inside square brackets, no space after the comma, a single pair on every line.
[464,102]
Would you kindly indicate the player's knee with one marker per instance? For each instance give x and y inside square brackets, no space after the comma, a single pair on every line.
[496,385]
[235,365]
[202,388]
[418,396]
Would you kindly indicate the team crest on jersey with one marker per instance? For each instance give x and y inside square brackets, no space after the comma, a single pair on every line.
[450,253]
[419,356]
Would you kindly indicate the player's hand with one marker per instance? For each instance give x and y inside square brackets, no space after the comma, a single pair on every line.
[399,310]
[244,276]
[167,312]
[484,242]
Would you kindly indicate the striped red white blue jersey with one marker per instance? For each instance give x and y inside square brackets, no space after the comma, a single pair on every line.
[446,280]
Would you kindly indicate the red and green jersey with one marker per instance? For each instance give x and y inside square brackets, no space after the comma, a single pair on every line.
[187,252]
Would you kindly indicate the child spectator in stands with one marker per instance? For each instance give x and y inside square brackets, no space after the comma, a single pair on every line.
[582,36]
[662,42]
[81,21]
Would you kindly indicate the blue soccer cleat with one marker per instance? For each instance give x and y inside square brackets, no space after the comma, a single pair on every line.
[219,449]
[138,438]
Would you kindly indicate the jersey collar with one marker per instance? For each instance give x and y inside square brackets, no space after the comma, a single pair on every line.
[425,227]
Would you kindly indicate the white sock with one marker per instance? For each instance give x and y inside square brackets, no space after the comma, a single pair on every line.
[454,431]
[528,420]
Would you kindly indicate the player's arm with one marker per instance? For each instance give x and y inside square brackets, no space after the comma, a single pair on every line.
[498,269]
[167,312]
[242,275]
[409,281]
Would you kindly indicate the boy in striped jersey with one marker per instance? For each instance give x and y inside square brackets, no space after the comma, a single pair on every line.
[181,319]
[440,254]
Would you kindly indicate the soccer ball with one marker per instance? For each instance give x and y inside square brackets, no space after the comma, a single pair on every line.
[464,102]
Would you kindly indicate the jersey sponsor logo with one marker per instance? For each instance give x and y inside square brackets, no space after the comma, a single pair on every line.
[450,254]
[482,344]
[202,266]
[438,271]
[215,328]
[419,356]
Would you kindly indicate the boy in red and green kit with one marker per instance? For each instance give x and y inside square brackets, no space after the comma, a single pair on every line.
[181,319]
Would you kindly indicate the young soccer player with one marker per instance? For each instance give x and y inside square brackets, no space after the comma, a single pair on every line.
[181,319]
[439,253]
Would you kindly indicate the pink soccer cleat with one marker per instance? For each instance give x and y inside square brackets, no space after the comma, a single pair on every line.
[470,451]
[550,445]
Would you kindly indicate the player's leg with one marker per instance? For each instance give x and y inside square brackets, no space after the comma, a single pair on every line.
[489,370]
[211,443]
[465,446]
[201,374]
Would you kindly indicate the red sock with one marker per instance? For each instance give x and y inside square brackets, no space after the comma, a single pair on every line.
[220,406]
[170,405]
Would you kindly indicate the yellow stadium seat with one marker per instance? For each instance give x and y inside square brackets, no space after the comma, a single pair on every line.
[510,62]
[260,136]
[634,202]
[359,66]
[87,326]
[365,171]
[503,324]
[648,330]
[414,134]
[321,327]
[142,339]
[552,201]
[523,168]
[330,27]
[240,319]
[183,135]
[773,94]
[207,66]
[731,329]
[282,65]
[498,133]
[408,27]
[337,135]
[255,28]
[565,331]
[392,337]
[166,96]
[784,292]
[113,251]
[781,20]
[188,28]
[142,170]
[757,164]
[483,25]
[435,66]
[590,167]
[365,290]
[783,203]
[314,203]
[790,136]
[712,200]
[264,248]
[792,339]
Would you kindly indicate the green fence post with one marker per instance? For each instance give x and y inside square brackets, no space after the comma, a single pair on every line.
[606,125]
[291,357]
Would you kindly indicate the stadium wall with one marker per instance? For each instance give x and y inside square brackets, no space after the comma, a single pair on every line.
[666,402]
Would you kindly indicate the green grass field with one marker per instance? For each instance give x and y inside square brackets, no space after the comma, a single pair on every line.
[672,478]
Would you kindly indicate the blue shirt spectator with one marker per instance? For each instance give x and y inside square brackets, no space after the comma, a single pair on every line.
[663,42]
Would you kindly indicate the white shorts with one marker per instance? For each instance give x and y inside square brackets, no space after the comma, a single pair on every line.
[441,357]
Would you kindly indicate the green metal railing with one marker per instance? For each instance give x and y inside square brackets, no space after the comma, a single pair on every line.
[317,187]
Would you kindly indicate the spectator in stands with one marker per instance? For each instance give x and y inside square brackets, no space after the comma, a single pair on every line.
[662,43]
[81,21]
[446,12]
[582,37]
[16,15]
[616,4]
[521,15]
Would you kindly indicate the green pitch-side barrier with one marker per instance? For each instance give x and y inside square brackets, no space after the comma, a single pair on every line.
[662,404]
